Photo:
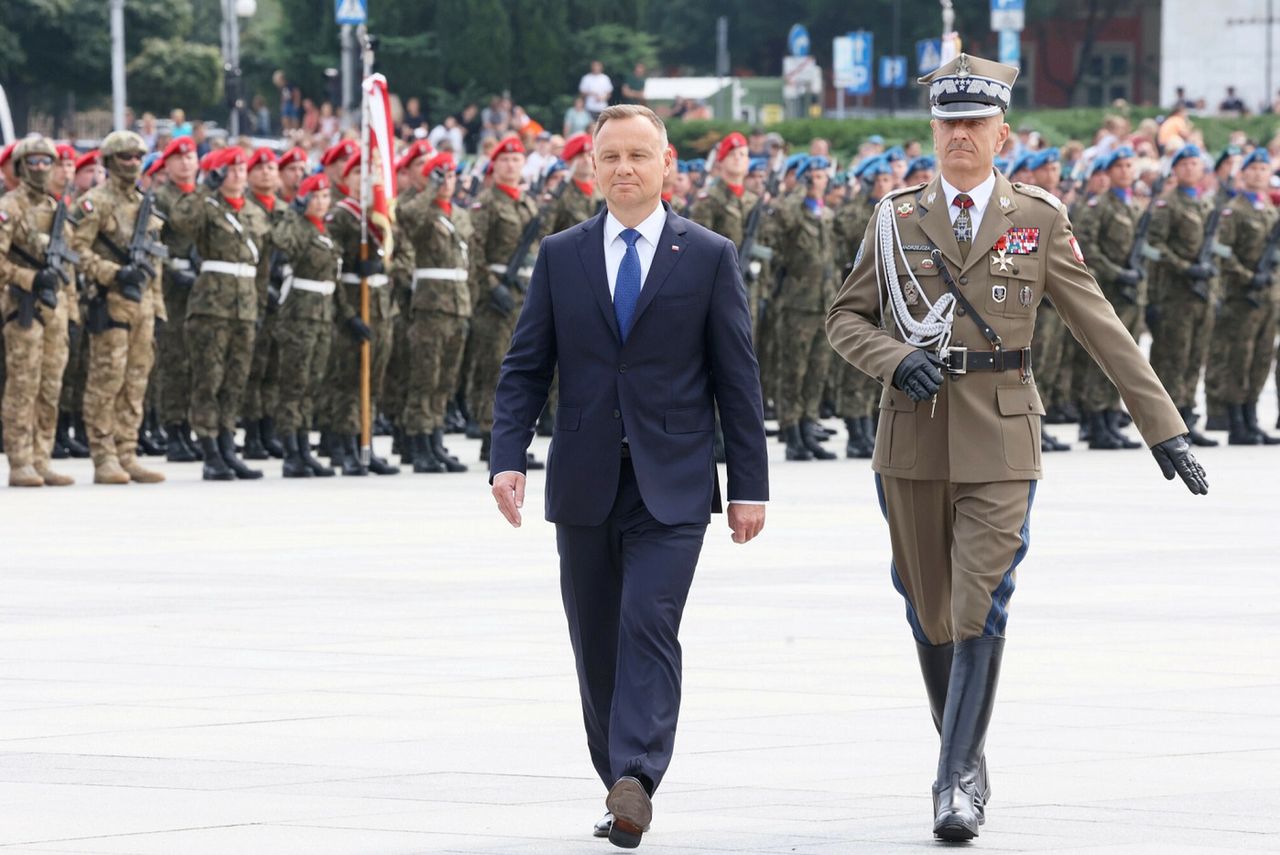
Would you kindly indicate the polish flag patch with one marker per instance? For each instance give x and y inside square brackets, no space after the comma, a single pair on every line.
[1075,249]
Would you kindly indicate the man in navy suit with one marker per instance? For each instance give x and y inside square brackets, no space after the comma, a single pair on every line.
[645,316]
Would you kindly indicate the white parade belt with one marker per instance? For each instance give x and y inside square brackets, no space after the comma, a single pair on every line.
[180,264]
[237,269]
[501,270]
[377,280]
[448,274]
[316,286]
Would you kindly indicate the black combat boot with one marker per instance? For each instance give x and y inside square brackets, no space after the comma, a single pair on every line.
[1189,418]
[935,667]
[403,445]
[1115,422]
[227,446]
[809,437]
[267,430]
[215,468]
[1251,422]
[1238,428]
[150,441]
[294,465]
[485,441]
[424,454]
[253,447]
[859,446]
[318,469]
[79,445]
[451,463]
[796,449]
[1094,426]
[869,426]
[61,437]
[350,456]
[1049,443]
[473,431]
[379,465]
[958,804]
[179,448]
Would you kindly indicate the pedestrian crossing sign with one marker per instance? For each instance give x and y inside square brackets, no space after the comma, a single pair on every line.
[353,12]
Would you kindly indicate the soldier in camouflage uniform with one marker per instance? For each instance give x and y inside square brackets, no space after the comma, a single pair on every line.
[498,217]
[35,307]
[581,200]
[228,298]
[725,205]
[1105,233]
[292,169]
[61,186]
[806,242]
[263,388]
[126,304]
[71,403]
[439,314]
[344,228]
[1179,298]
[1225,170]
[1049,341]
[304,319]
[1245,334]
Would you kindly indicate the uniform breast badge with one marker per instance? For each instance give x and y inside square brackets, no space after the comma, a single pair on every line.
[998,293]
[1001,260]
[905,209]
[1024,295]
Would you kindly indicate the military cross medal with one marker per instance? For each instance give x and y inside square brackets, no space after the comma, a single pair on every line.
[1001,261]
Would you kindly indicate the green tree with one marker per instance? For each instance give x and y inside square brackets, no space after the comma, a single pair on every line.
[172,73]
[615,45]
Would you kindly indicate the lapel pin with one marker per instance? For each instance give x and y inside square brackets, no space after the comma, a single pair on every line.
[932,196]
[675,248]
[1005,202]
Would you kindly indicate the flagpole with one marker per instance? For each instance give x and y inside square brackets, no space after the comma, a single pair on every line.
[366,177]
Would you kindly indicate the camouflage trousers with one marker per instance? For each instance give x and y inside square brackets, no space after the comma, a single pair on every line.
[120,360]
[857,395]
[1180,343]
[804,358]
[1244,344]
[34,360]
[400,367]
[766,352]
[490,339]
[304,357]
[436,342]
[221,352]
[77,371]
[262,390]
[1049,351]
[174,366]
[1097,392]
[344,388]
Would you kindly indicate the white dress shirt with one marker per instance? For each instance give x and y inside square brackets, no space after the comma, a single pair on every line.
[615,248]
[981,196]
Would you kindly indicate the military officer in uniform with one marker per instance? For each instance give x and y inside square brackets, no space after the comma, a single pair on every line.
[960,265]
[124,308]
[36,305]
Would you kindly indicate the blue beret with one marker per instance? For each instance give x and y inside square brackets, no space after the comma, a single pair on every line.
[682,166]
[149,160]
[895,153]
[558,166]
[925,161]
[758,164]
[878,166]
[876,138]
[697,165]
[816,163]
[1258,155]
[1044,158]
[794,161]
[1020,163]
[1229,151]
[1099,164]
[1001,165]
[1120,153]
[1189,150]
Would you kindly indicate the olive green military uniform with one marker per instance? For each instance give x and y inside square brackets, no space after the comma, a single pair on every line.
[498,221]
[121,355]
[956,477]
[304,322]
[807,248]
[723,211]
[1182,305]
[35,356]
[343,223]
[179,274]
[440,310]
[856,393]
[1245,333]
[1106,233]
[574,206]
[228,298]
[262,390]
[396,380]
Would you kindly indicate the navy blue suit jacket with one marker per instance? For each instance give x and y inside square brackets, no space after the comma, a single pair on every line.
[689,350]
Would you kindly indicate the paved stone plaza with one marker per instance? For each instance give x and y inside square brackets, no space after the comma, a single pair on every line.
[377,666]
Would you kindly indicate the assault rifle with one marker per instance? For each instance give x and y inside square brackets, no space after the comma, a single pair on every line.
[1255,294]
[1141,250]
[1204,260]
[502,296]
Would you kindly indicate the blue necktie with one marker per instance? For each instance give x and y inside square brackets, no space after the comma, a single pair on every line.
[626,289]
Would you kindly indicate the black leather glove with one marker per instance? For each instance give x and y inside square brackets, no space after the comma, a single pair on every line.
[1128,277]
[1175,458]
[213,178]
[919,375]
[1202,271]
[369,267]
[45,285]
[130,279]
[359,329]
[1260,281]
[183,278]
[1152,316]
[502,300]
[273,299]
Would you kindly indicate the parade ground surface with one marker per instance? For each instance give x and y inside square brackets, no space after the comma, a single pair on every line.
[380,665]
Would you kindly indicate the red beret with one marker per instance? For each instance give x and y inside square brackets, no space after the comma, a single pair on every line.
[89,158]
[7,152]
[206,162]
[443,160]
[351,164]
[341,151]
[262,155]
[180,145]
[66,152]
[292,156]
[576,145]
[312,183]
[510,145]
[729,143]
[413,152]
[225,157]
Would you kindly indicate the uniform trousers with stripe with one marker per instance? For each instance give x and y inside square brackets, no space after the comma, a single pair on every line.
[956,551]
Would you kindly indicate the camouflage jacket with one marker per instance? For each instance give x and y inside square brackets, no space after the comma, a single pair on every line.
[1176,237]
[725,213]
[182,254]
[1105,232]
[108,213]
[313,255]
[850,224]
[223,235]
[1245,227]
[26,216]
[806,240]
[497,222]
[574,206]
[438,244]
[343,223]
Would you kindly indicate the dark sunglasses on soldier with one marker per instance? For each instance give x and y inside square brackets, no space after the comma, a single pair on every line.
[132,155]
[39,160]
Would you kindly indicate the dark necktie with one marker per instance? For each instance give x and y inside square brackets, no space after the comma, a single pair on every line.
[626,288]
[963,226]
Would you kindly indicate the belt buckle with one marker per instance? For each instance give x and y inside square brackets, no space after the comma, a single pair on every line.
[964,360]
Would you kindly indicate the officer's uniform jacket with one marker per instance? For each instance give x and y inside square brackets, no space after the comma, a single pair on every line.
[439,249]
[986,424]
[110,211]
[232,283]
[26,217]
[316,262]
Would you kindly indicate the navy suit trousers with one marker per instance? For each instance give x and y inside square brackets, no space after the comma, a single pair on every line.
[624,584]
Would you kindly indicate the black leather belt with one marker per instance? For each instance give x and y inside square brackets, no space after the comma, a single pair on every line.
[962,360]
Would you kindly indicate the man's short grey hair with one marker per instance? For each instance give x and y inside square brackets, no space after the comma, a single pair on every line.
[627,111]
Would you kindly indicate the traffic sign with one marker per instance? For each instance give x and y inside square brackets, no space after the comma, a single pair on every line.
[928,55]
[893,72]
[842,76]
[862,42]
[1011,47]
[1008,15]
[798,40]
[353,12]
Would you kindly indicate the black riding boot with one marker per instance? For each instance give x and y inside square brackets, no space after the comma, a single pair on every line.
[253,447]
[935,666]
[958,806]
[318,469]
[796,448]
[1239,433]
[451,463]
[227,445]
[809,436]
[1189,418]
[294,466]
[267,430]
[215,468]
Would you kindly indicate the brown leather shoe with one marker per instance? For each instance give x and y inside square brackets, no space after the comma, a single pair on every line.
[25,476]
[138,472]
[632,811]
[54,479]
[106,470]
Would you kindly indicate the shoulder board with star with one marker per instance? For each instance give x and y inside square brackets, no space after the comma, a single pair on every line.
[1038,193]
